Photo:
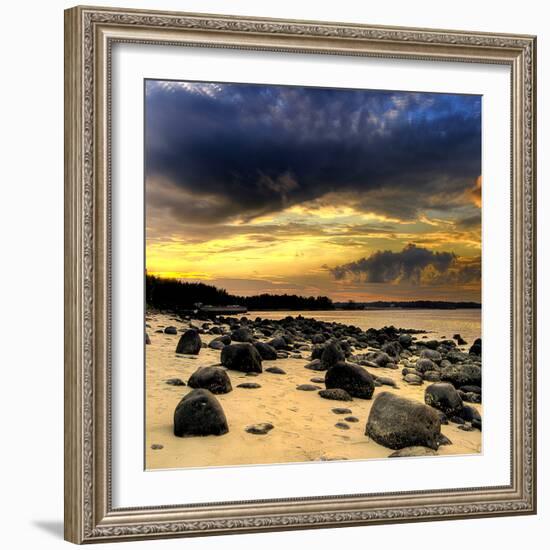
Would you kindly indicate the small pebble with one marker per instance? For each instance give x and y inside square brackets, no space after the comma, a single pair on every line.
[175,382]
[259,429]
[307,387]
[341,410]
[275,370]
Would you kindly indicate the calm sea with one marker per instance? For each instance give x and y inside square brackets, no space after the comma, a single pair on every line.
[440,323]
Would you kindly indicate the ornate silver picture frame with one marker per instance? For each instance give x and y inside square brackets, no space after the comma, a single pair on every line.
[90,34]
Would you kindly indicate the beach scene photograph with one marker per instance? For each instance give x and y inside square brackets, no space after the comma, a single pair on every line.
[312,274]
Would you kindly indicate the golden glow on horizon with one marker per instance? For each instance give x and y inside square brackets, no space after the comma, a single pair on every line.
[294,248]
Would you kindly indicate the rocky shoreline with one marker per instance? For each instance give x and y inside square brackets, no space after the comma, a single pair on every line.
[346,364]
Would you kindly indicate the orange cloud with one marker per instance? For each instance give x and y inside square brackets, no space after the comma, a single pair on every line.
[474,194]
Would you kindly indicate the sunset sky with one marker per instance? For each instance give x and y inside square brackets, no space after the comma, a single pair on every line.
[352,194]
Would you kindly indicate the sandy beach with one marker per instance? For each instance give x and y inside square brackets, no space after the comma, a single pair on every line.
[305,425]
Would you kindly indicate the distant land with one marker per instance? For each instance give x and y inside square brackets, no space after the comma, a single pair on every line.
[178,295]
[414,304]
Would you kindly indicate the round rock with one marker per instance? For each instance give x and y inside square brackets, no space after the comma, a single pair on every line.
[397,422]
[267,352]
[355,380]
[214,379]
[332,354]
[199,413]
[189,343]
[443,396]
[241,357]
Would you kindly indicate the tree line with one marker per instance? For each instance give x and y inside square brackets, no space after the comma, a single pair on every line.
[174,294]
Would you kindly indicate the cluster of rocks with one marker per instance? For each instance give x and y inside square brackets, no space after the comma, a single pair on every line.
[345,356]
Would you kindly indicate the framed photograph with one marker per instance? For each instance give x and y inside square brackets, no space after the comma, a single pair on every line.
[300,274]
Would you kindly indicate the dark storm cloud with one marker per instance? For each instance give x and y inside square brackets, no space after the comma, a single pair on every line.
[240,151]
[470,222]
[385,266]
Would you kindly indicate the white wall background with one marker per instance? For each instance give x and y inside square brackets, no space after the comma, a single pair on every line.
[31,269]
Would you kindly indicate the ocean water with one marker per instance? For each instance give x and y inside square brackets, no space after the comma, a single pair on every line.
[438,322]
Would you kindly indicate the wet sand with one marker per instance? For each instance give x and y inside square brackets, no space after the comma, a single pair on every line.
[304,423]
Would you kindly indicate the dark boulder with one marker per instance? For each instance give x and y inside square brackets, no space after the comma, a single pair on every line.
[469,414]
[214,379]
[459,340]
[279,343]
[315,365]
[431,376]
[405,340]
[216,344]
[332,354]
[354,379]
[462,375]
[189,343]
[249,386]
[456,356]
[318,339]
[443,396]
[472,389]
[396,422]
[317,352]
[393,349]
[199,413]
[386,381]
[267,352]
[470,397]
[413,379]
[407,370]
[382,359]
[170,330]
[432,355]
[423,365]
[475,349]
[241,357]
[241,335]
[220,342]
[147,339]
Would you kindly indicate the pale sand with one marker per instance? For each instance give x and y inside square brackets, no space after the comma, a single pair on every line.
[304,422]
